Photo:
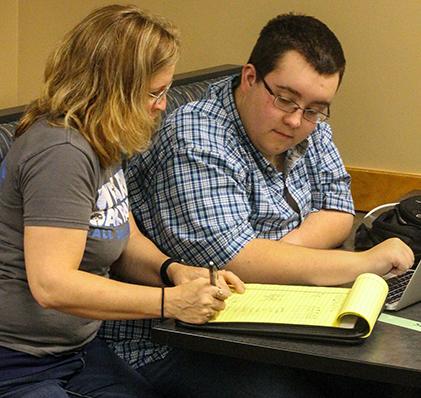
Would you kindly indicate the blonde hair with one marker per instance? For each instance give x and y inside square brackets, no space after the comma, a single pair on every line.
[98,78]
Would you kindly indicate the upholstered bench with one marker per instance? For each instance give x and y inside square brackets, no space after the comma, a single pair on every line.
[187,87]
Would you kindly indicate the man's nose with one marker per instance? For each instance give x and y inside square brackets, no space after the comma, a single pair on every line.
[293,119]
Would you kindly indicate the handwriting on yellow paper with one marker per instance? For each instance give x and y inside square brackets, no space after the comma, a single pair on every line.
[308,305]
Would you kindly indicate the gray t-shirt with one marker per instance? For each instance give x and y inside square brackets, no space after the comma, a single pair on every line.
[52,177]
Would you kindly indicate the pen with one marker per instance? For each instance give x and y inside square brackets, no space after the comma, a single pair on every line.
[213,275]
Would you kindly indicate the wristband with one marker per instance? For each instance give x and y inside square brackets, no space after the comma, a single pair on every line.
[163,271]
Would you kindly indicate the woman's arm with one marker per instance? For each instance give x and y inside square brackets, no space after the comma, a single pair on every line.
[141,262]
[141,259]
[52,259]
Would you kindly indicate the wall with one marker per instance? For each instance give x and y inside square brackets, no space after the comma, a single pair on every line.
[375,115]
[8,53]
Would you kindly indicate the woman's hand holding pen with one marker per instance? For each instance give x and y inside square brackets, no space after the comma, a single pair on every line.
[200,292]
[194,302]
[226,280]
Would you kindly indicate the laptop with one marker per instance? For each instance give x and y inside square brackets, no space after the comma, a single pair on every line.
[404,290]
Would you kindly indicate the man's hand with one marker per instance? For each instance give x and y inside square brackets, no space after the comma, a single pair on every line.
[391,255]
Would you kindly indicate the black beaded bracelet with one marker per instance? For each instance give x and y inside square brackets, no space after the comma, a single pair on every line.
[163,271]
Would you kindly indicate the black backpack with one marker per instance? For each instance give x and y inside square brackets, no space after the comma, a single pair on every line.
[402,221]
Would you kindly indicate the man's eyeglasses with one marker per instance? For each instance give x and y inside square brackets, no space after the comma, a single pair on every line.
[288,105]
[159,96]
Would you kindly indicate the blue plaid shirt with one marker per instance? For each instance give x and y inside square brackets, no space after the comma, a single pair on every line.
[203,191]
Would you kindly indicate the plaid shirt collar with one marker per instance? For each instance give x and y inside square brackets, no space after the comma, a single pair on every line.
[225,93]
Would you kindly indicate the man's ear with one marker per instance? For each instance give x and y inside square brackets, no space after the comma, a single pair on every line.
[248,76]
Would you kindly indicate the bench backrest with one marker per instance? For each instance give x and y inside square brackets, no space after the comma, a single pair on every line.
[187,87]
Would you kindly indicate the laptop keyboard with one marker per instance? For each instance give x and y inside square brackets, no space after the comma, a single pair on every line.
[397,286]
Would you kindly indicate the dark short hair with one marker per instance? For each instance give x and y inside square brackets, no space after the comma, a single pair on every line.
[305,34]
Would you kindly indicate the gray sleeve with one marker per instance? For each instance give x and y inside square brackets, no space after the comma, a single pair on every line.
[58,187]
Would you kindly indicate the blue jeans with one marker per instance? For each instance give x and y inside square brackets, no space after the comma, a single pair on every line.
[92,372]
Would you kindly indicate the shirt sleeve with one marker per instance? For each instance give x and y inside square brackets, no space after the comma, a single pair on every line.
[198,207]
[331,183]
[58,188]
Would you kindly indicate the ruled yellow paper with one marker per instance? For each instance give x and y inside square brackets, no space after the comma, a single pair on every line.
[307,305]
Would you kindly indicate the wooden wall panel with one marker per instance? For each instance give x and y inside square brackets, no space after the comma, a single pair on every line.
[371,188]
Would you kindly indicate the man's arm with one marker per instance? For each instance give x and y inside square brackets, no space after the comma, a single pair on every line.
[324,229]
[266,261]
[330,222]
[198,206]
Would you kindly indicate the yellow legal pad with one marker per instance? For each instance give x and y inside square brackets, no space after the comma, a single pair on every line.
[306,311]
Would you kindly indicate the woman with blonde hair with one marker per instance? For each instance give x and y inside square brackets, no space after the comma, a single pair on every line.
[65,221]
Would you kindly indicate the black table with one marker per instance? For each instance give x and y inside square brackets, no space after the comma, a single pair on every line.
[391,354]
